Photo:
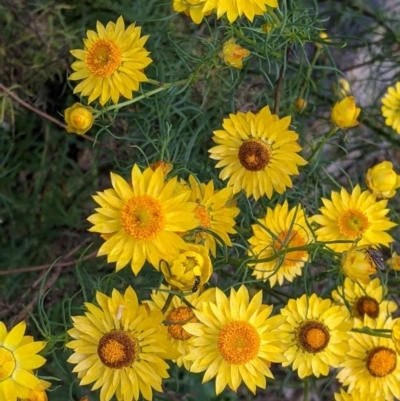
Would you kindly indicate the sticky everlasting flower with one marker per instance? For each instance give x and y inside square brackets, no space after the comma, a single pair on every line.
[233,54]
[394,261]
[79,118]
[258,153]
[281,229]
[391,107]
[318,335]
[357,264]
[344,114]
[111,63]
[18,358]
[382,180]
[357,395]
[140,220]
[353,216]
[235,340]
[192,8]
[396,334]
[237,8]
[121,347]
[39,392]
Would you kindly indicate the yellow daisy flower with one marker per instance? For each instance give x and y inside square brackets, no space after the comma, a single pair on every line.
[233,54]
[344,113]
[258,153]
[18,358]
[140,221]
[237,8]
[357,395]
[391,107]
[353,216]
[121,347]
[382,180]
[279,230]
[79,118]
[111,63]
[363,299]
[215,212]
[318,335]
[372,364]
[191,8]
[235,340]
[358,265]
[177,315]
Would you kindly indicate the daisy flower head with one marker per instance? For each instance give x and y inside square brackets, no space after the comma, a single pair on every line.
[111,63]
[396,335]
[233,54]
[355,216]
[192,9]
[121,346]
[79,118]
[344,113]
[140,220]
[391,107]
[18,358]
[215,212]
[318,335]
[357,395]
[285,229]
[372,365]
[177,315]
[364,299]
[357,264]
[382,180]
[39,392]
[258,153]
[235,340]
[237,8]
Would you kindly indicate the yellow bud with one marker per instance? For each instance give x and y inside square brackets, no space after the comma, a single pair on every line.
[394,262]
[39,392]
[166,167]
[382,180]
[342,88]
[232,54]
[267,27]
[344,113]
[357,264]
[300,104]
[79,118]
[324,36]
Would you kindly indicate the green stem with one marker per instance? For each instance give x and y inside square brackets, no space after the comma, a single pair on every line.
[385,333]
[318,52]
[327,136]
[167,303]
[306,389]
[274,17]
[240,35]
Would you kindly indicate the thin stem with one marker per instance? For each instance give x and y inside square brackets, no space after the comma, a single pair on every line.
[167,303]
[327,136]
[306,389]
[240,35]
[385,333]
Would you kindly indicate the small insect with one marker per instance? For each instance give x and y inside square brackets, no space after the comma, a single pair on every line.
[377,258]
[196,283]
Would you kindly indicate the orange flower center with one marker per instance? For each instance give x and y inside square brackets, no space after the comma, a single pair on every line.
[117,349]
[381,361]
[103,58]
[176,319]
[291,240]
[254,155]
[203,216]
[238,342]
[353,224]
[312,336]
[142,217]
[366,306]
[7,363]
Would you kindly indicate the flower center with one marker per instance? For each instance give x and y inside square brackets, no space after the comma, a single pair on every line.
[366,306]
[381,361]
[103,58]
[181,316]
[203,216]
[353,224]
[238,342]
[254,155]
[142,217]
[117,349]
[312,336]
[292,240]
[7,363]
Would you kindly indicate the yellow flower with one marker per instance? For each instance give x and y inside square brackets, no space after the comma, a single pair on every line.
[237,8]
[300,104]
[18,358]
[344,113]
[281,229]
[258,153]
[121,346]
[235,340]
[192,8]
[111,63]
[358,265]
[372,365]
[396,335]
[342,88]
[39,392]
[232,54]
[318,335]
[364,299]
[382,180]
[166,167]
[391,107]
[79,118]
[177,315]
[141,220]
[353,216]
[357,395]
[215,212]
[189,270]
[394,262]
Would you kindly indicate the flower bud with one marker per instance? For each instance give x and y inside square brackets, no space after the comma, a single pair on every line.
[344,114]
[382,180]
[394,262]
[358,265]
[300,104]
[79,118]
[232,54]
